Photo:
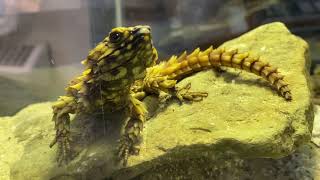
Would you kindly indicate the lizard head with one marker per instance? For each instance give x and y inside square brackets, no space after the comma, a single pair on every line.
[125,47]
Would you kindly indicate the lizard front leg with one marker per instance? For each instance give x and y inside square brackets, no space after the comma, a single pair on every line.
[61,118]
[137,90]
[131,137]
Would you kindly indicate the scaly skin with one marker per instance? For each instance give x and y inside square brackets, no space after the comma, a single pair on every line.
[110,69]
[162,78]
[121,70]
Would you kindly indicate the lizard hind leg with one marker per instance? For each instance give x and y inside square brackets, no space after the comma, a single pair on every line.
[184,93]
[131,137]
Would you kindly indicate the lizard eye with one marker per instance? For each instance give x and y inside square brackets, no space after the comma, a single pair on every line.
[115,37]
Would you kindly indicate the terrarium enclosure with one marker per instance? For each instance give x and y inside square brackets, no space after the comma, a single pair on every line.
[242,129]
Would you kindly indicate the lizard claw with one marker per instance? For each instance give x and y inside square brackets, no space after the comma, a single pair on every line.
[184,94]
[64,154]
[163,96]
[125,149]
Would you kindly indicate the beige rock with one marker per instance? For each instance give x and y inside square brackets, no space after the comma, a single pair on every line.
[316,127]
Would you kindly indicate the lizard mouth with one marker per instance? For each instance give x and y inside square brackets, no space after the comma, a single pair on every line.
[141,48]
[142,30]
[142,33]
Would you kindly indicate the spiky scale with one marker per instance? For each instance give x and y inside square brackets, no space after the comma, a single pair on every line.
[202,60]
[105,82]
[112,67]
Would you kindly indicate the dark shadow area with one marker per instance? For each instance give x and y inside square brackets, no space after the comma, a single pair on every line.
[212,163]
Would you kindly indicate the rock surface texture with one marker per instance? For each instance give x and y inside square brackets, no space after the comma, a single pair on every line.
[242,117]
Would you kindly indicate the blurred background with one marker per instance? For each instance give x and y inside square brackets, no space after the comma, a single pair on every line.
[43,41]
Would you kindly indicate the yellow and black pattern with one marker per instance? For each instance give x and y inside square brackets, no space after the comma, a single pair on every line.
[163,77]
[110,69]
[121,70]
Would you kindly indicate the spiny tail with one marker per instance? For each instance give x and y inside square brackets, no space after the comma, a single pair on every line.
[178,67]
